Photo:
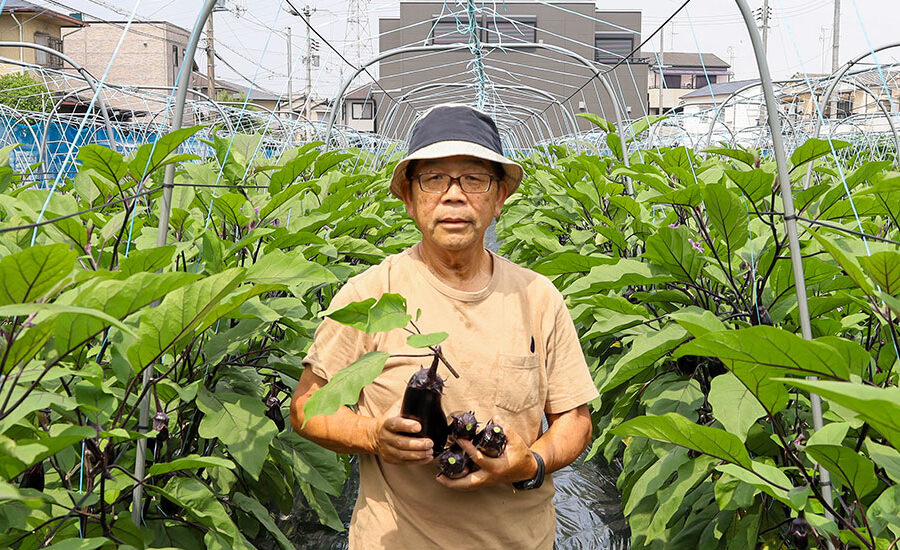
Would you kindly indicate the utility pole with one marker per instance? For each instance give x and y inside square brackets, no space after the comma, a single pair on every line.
[836,36]
[307,12]
[290,70]
[765,25]
[210,58]
[660,67]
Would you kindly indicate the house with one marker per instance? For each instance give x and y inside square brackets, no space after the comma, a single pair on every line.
[532,84]
[674,74]
[359,109]
[23,21]
[150,54]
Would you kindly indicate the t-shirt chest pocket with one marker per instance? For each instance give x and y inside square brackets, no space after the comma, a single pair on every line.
[518,381]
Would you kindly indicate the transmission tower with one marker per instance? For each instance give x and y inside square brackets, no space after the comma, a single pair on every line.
[358,34]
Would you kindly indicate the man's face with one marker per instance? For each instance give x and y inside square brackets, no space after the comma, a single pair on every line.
[454,220]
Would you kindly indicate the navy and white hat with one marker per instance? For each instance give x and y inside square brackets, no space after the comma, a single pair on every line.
[453,129]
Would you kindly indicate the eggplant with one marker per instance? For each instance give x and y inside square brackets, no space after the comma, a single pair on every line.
[273,411]
[454,462]
[422,402]
[33,478]
[464,426]
[798,533]
[491,441]
[161,425]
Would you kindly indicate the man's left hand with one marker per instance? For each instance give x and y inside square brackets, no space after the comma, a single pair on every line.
[515,464]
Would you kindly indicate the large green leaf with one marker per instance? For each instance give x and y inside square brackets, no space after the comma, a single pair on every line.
[106,162]
[737,154]
[669,248]
[284,178]
[257,510]
[626,272]
[880,407]
[645,350]
[884,268]
[173,320]
[27,275]
[116,298]
[734,405]
[151,156]
[569,262]
[846,465]
[288,268]
[200,504]
[149,259]
[755,184]
[189,462]
[385,314]
[240,422]
[885,457]
[344,387]
[678,430]
[815,148]
[727,216]
[771,347]
[321,468]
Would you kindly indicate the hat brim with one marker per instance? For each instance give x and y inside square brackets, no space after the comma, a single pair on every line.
[513,172]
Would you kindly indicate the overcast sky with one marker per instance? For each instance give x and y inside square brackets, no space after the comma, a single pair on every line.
[799,40]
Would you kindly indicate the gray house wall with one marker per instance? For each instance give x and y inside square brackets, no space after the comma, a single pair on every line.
[522,78]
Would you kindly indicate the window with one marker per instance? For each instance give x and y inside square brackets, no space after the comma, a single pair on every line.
[512,29]
[362,111]
[45,59]
[673,81]
[612,47]
[174,59]
[701,81]
[449,30]
[845,106]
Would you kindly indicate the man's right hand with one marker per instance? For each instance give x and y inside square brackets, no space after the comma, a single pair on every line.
[391,441]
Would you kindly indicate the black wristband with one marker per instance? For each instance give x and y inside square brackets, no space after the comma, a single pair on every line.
[537,480]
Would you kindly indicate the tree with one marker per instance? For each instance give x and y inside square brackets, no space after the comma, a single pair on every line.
[21,91]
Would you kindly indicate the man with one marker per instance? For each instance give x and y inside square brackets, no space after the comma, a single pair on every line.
[512,341]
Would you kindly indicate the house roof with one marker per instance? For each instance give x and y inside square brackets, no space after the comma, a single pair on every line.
[688,59]
[22,6]
[723,89]
[363,92]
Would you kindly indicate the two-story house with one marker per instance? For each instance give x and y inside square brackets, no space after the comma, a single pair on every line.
[23,21]
[543,72]
[672,75]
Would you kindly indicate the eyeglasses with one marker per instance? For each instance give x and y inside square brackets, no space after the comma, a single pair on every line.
[435,182]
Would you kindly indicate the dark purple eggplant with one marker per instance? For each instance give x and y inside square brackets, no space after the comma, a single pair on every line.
[759,315]
[422,402]
[454,462]
[33,478]
[161,425]
[491,441]
[798,533]
[273,411]
[464,426]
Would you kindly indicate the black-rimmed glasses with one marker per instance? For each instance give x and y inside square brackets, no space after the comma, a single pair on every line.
[436,182]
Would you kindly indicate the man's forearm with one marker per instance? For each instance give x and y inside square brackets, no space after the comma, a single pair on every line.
[342,432]
[568,435]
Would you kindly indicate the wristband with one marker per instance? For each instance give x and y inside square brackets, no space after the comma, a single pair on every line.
[537,480]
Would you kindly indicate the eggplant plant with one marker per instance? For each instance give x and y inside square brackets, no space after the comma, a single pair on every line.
[684,297]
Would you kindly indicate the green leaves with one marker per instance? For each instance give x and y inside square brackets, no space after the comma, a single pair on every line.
[426,340]
[734,405]
[151,156]
[678,430]
[815,148]
[847,466]
[28,275]
[344,387]
[388,313]
[670,248]
[727,216]
[240,422]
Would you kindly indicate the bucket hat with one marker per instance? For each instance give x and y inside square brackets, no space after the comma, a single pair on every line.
[452,129]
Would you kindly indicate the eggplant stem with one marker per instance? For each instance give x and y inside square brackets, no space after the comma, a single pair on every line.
[439,355]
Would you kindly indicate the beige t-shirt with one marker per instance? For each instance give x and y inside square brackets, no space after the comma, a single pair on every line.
[518,356]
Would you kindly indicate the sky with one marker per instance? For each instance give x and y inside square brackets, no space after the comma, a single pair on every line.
[251,34]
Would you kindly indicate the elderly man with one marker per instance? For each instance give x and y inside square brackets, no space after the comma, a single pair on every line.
[512,341]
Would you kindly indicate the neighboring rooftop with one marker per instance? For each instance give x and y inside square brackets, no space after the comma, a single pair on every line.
[688,59]
[22,6]
[723,89]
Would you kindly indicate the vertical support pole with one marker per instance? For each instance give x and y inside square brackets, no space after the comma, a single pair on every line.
[790,220]
[836,37]
[290,69]
[165,209]
[210,59]
[307,12]
[661,80]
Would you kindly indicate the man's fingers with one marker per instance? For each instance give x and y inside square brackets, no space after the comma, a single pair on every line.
[399,424]
[477,456]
